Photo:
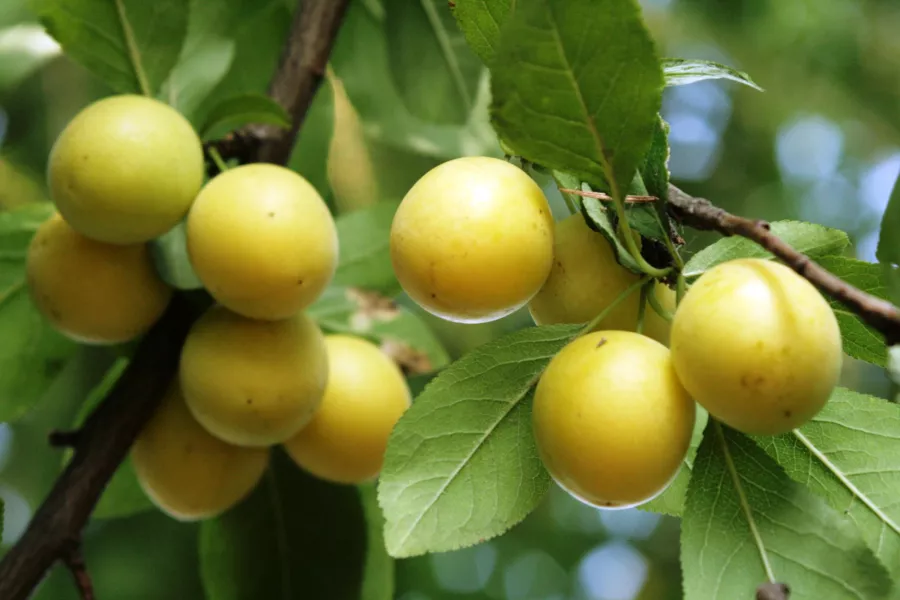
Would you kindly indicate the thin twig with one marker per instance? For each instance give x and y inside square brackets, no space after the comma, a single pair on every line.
[107,434]
[68,438]
[702,214]
[608,198]
[74,561]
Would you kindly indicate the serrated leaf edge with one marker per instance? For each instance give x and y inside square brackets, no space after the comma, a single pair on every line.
[857,493]
[394,549]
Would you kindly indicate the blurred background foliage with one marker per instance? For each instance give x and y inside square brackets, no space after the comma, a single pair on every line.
[821,144]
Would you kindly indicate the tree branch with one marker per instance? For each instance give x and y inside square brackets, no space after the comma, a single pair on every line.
[702,214]
[106,437]
[75,562]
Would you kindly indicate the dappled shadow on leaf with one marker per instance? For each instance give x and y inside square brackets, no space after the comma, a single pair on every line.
[295,536]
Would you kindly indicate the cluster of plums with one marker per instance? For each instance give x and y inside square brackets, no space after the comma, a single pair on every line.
[752,342]
[255,370]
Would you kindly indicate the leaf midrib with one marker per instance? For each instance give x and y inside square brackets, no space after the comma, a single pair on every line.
[443,40]
[452,477]
[134,53]
[845,480]
[745,504]
[588,117]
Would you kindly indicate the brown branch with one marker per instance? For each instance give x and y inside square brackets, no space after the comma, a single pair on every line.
[300,71]
[105,438]
[67,438]
[103,443]
[702,214]
[74,560]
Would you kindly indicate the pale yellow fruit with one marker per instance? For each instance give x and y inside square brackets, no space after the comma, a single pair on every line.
[611,420]
[253,383]
[126,169]
[91,291]
[262,241]
[188,473]
[585,279]
[757,345]
[472,241]
[365,396]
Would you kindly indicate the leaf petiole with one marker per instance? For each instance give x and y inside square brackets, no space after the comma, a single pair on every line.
[630,244]
[680,288]
[657,307]
[217,158]
[612,305]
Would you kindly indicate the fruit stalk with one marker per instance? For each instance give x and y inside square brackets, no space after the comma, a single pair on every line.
[700,213]
[104,440]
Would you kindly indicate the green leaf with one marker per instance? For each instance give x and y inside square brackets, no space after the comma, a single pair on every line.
[365,252]
[850,454]
[310,154]
[132,45]
[435,71]
[24,48]
[369,315]
[378,576]
[481,21]
[32,353]
[671,501]
[577,86]
[652,220]
[464,453]
[123,496]
[598,218]
[257,36]
[370,85]
[746,521]
[170,256]
[682,71]
[654,172]
[295,536]
[816,241]
[208,51]
[888,250]
[859,339]
[244,109]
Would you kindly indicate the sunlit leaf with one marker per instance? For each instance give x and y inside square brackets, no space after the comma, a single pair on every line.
[132,45]
[481,21]
[577,86]
[850,454]
[464,452]
[745,521]
[816,241]
[682,71]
